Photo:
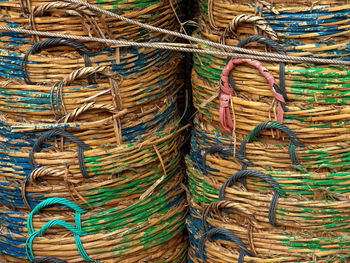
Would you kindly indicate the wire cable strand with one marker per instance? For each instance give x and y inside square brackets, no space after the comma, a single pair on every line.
[263,56]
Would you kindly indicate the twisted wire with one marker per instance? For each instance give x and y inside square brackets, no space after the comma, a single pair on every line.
[225,234]
[268,179]
[250,54]
[274,125]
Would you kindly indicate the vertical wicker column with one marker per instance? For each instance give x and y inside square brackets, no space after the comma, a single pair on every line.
[90,137]
[269,168]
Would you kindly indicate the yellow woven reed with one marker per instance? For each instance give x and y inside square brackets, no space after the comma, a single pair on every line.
[312,115]
[69,18]
[266,243]
[219,14]
[272,154]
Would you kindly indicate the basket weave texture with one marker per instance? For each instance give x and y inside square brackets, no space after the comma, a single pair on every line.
[268,171]
[90,160]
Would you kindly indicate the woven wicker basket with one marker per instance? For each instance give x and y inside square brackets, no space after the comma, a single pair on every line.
[304,27]
[148,230]
[75,19]
[93,127]
[52,60]
[135,103]
[285,194]
[272,154]
[72,156]
[316,103]
[288,166]
[231,231]
[119,181]
[311,206]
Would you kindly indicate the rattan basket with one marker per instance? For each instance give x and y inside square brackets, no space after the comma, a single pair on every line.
[134,104]
[303,213]
[51,60]
[210,148]
[109,181]
[70,18]
[148,230]
[231,231]
[314,106]
[90,137]
[305,28]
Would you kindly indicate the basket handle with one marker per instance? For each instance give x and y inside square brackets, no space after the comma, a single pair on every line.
[58,132]
[262,40]
[215,149]
[225,150]
[258,21]
[268,179]
[50,202]
[57,5]
[49,260]
[55,42]
[253,136]
[76,230]
[226,234]
[73,115]
[226,92]
[223,205]
[88,71]
[241,155]
[272,44]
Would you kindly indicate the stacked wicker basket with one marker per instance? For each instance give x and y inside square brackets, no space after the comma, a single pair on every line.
[90,137]
[269,163]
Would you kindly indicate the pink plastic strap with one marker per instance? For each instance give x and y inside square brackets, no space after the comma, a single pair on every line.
[225,111]
[226,91]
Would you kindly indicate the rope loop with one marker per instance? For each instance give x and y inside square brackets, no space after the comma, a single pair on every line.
[38,146]
[222,233]
[278,48]
[226,92]
[257,21]
[76,230]
[226,150]
[55,42]
[58,132]
[215,149]
[50,202]
[253,136]
[86,72]
[268,179]
[262,40]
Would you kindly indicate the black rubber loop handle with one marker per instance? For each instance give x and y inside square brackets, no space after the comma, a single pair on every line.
[55,42]
[272,125]
[228,151]
[58,132]
[227,235]
[214,149]
[268,179]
